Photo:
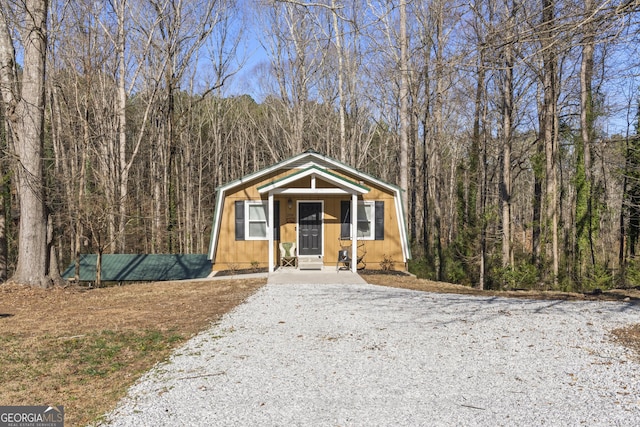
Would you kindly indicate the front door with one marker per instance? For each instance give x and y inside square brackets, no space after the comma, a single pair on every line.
[310,228]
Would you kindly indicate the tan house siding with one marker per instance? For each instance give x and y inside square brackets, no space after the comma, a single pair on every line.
[233,254]
[243,254]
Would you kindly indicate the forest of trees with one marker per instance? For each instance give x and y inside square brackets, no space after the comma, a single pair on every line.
[512,126]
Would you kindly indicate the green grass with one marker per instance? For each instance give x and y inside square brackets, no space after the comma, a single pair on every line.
[93,355]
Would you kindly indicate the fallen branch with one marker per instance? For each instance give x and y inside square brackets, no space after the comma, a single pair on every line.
[202,376]
[473,407]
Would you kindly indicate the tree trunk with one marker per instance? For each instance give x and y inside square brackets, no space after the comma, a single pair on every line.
[550,65]
[121,112]
[5,197]
[99,268]
[25,112]
[436,165]
[404,109]
[4,247]
[507,130]
[585,203]
[538,177]
[477,168]
[341,99]
[54,269]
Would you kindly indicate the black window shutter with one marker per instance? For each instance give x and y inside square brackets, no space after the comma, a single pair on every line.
[239,220]
[379,220]
[345,219]
[276,220]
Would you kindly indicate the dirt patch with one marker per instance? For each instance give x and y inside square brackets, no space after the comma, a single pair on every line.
[83,348]
[629,337]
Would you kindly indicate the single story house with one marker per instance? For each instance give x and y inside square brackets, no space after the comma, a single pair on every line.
[300,209]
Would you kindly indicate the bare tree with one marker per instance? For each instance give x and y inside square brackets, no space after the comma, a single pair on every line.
[183,28]
[404,108]
[24,106]
[549,131]
[507,132]
[295,60]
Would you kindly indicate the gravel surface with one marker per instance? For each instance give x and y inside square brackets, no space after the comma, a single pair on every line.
[356,355]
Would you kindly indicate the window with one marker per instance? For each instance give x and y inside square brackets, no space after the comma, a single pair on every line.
[256,225]
[251,220]
[366,224]
[370,220]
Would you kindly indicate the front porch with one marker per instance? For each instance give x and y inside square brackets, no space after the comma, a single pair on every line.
[314,224]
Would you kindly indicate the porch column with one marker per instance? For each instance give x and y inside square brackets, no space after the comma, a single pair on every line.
[354,233]
[270,233]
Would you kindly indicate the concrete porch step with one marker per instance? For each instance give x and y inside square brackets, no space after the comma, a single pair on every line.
[328,275]
[310,262]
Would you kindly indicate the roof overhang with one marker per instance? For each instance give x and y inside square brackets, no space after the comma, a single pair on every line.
[341,185]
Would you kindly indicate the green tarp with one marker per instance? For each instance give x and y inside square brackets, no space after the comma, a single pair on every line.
[142,268]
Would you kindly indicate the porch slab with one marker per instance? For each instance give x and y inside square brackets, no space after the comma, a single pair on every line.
[314,262]
[324,276]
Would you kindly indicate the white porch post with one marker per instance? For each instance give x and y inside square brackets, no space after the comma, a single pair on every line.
[354,233]
[270,233]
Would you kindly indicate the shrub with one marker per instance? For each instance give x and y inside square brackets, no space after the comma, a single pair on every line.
[255,266]
[387,263]
[631,275]
[422,268]
[523,276]
[233,268]
[598,277]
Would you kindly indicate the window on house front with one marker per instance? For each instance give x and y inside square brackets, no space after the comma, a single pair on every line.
[256,225]
[366,224]
[370,224]
[251,220]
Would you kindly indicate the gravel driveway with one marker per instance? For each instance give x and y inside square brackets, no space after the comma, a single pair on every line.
[364,355]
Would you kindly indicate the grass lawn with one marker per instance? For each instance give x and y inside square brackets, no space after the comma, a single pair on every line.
[83,348]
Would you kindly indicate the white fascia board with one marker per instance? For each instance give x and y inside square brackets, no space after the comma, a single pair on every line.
[319,191]
[215,229]
[363,175]
[313,171]
[404,237]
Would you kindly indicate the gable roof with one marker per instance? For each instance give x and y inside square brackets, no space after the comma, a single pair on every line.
[313,171]
[310,162]
[142,268]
